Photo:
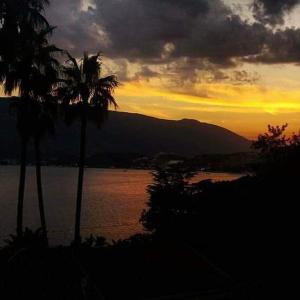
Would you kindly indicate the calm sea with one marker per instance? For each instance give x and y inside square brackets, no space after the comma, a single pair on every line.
[112,203]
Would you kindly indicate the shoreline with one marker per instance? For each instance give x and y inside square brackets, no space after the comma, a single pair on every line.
[126,169]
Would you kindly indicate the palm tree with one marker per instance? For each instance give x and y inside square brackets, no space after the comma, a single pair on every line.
[24,126]
[45,108]
[84,91]
[44,123]
[23,32]
[36,115]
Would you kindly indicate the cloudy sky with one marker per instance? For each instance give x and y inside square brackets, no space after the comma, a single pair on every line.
[234,63]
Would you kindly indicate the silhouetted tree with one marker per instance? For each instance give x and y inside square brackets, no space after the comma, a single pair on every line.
[278,153]
[272,140]
[45,124]
[23,53]
[85,92]
[169,194]
[36,114]
[45,110]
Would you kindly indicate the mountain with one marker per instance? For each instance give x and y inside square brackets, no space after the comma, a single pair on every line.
[128,133]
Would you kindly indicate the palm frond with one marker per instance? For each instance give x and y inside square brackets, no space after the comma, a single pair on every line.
[72,60]
[81,84]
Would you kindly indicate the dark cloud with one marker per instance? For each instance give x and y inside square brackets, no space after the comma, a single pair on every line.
[143,28]
[182,36]
[223,39]
[282,46]
[76,29]
[163,29]
[272,11]
[157,30]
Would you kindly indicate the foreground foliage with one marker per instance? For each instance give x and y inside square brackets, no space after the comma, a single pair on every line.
[248,227]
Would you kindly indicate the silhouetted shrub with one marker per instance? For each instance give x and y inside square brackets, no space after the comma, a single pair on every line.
[30,239]
[135,241]
[94,242]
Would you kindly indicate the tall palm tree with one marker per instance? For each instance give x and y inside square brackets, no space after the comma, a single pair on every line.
[84,91]
[24,127]
[45,107]
[44,123]
[43,119]
[36,114]
[23,32]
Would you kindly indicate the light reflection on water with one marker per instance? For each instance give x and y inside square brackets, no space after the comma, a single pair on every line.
[112,203]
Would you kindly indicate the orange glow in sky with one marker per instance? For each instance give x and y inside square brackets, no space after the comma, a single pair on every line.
[246,108]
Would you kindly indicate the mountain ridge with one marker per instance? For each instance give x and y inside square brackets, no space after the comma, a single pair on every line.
[126,132]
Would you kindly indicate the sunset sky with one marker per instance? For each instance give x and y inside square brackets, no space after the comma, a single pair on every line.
[234,63]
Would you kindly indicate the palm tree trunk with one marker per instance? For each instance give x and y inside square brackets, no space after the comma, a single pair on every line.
[21,187]
[39,186]
[77,238]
